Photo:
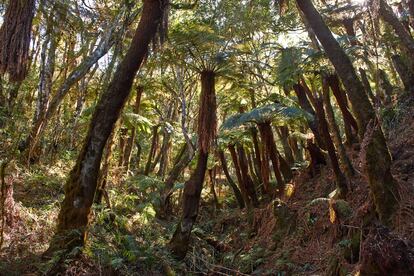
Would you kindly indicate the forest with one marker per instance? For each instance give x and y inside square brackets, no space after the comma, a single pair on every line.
[207,137]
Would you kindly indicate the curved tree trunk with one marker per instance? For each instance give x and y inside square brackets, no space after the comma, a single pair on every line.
[82,182]
[246,178]
[192,189]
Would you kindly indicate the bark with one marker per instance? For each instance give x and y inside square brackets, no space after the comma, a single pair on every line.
[78,73]
[404,72]
[15,37]
[349,170]
[101,190]
[230,181]
[387,14]
[131,138]
[283,133]
[316,158]
[266,134]
[184,158]
[339,176]
[246,178]
[380,178]
[350,31]
[257,156]
[123,133]
[82,182]
[360,104]
[342,101]
[305,105]
[152,149]
[240,180]
[366,84]
[192,188]
[385,87]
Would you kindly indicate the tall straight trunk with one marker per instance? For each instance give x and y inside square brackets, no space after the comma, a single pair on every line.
[349,170]
[15,37]
[366,84]
[240,180]
[233,185]
[339,176]
[78,73]
[246,178]
[350,123]
[131,138]
[152,149]
[183,159]
[206,131]
[305,104]
[404,72]
[82,182]
[387,14]
[283,133]
[266,134]
[123,133]
[375,149]
[360,104]
[101,190]
[257,156]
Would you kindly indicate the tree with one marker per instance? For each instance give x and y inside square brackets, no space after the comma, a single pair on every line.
[378,159]
[15,34]
[81,185]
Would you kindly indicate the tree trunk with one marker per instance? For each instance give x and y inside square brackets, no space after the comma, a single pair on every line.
[79,72]
[246,178]
[360,104]
[387,14]
[192,189]
[283,133]
[305,105]
[233,185]
[82,182]
[131,139]
[15,37]
[266,134]
[350,123]
[380,179]
[339,176]
[257,156]
[152,149]
[366,84]
[240,180]
[349,170]
[405,73]
[184,158]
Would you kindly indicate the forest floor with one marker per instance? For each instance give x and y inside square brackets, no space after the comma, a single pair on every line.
[301,236]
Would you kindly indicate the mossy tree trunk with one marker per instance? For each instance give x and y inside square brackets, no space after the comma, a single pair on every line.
[206,131]
[377,156]
[82,182]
